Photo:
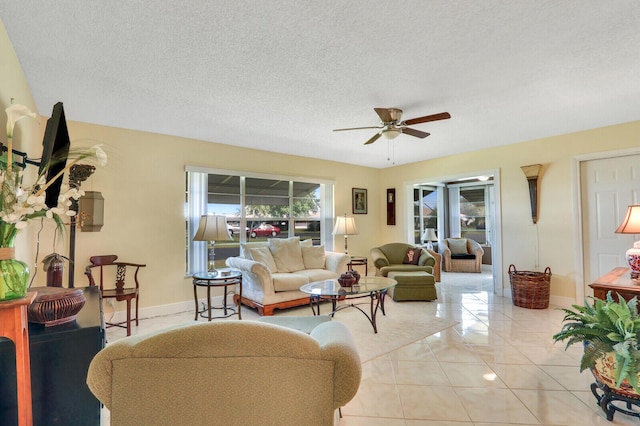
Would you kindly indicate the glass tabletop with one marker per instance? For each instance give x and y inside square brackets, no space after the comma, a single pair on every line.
[366,285]
[218,274]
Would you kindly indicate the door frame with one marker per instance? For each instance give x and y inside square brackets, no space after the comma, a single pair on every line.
[576,179]
[496,244]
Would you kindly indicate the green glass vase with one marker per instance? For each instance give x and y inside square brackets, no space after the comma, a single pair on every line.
[14,274]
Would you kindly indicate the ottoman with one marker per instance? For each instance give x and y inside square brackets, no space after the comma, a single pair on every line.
[416,285]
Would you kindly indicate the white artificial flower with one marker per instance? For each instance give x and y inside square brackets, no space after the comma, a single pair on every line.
[21,225]
[100,155]
[14,113]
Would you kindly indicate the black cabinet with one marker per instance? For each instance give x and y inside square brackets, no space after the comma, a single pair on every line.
[60,358]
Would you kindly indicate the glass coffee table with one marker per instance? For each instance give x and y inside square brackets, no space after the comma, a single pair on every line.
[375,288]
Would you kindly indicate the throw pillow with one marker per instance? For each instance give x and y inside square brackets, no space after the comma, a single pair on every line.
[263,255]
[313,257]
[287,254]
[306,243]
[457,245]
[413,256]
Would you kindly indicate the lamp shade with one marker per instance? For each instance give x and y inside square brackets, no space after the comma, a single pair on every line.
[212,228]
[345,226]
[631,222]
[631,225]
[429,235]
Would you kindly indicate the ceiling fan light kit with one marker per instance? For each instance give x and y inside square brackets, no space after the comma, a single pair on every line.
[391,133]
[391,125]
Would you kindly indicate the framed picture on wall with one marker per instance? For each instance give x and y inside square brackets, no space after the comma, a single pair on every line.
[391,206]
[359,200]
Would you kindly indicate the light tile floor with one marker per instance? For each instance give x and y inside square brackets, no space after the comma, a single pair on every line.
[498,366]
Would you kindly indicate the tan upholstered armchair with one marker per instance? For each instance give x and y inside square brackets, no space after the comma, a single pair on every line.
[390,257]
[230,372]
[462,255]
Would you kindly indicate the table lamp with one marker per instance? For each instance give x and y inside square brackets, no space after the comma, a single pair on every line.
[631,225]
[345,226]
[212,228]
[429,235]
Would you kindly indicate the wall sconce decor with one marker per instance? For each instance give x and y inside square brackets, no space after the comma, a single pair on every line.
[631,225]
[531,172]
[91,211]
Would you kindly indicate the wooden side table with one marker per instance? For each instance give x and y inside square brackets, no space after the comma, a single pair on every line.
[619,281]
[14,325]
[359,261]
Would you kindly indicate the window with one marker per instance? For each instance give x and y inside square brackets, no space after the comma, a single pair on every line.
[256,208]
[469,207]
[425,210]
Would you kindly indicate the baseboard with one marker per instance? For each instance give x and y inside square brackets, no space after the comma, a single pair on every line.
[155,311]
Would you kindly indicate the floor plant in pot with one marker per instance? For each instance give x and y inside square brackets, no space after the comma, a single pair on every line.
[609,332]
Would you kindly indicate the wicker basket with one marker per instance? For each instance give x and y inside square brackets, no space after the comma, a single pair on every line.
[530,289]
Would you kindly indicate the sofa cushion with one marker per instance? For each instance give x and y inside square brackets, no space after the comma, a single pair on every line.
[457,245]
[244,248]
[317,274]
[412,257]
[287,253]
[263,255]
[306,243]
[284,281]
[463,256]
[313,257]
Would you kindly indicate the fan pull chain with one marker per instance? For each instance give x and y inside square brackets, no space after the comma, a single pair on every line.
[391,152]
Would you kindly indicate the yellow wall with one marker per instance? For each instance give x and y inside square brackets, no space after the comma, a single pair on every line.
[555,230]
[143,187]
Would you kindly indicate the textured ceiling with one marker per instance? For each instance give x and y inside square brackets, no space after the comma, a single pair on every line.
[280,75]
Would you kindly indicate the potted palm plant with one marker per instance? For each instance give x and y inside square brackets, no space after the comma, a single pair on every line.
[609,331]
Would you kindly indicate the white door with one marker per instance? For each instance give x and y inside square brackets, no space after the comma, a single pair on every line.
[608,185]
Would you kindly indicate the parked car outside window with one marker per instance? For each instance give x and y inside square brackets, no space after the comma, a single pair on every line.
[264,230]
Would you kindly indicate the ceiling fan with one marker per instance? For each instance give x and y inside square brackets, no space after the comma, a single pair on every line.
[391,125]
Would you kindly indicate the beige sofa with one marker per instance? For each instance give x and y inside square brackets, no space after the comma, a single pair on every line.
[274,271]
[230,372]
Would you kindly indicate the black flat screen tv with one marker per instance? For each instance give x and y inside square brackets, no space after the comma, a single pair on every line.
[55,150]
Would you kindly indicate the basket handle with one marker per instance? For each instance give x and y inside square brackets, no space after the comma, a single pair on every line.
[547,271]
[514,268]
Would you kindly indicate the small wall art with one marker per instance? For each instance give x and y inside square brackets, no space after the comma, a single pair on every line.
[391,206]
[359,200]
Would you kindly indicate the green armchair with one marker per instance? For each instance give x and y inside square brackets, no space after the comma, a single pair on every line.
[390,257]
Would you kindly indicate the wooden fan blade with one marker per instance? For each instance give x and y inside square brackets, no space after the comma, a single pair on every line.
[357,128]
[373,139]
[414,132]
[384,114]
[426,118]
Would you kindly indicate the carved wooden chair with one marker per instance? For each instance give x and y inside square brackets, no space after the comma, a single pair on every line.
[121,292]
